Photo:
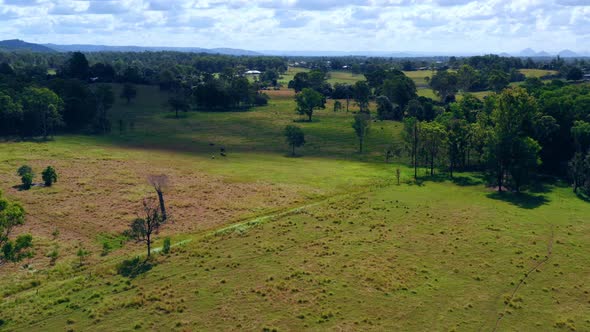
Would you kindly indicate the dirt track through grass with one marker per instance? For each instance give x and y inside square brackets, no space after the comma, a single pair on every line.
[525,277]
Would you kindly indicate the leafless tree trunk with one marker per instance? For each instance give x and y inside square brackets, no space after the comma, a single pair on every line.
[160,184]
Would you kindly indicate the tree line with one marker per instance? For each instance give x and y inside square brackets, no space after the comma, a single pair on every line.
[511,135]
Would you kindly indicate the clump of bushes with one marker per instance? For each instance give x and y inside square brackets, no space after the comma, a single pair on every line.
[27,176]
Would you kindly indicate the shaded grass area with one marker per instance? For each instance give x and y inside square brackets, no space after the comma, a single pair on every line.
[260,130]
[523,200]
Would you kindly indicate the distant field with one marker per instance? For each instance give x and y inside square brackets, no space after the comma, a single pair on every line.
[290,74]
[344,77]
[537,72]
[419,77]
[337,76]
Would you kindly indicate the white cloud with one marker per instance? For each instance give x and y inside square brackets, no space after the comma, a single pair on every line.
[392,25]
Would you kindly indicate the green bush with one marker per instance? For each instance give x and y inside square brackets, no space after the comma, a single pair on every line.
[27,181]
[49,176]
[106,248]
[24,169]
[131,268]
[166,246]
[26,175]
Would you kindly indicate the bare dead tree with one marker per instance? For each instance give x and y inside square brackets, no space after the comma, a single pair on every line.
[160,184]
[147,223]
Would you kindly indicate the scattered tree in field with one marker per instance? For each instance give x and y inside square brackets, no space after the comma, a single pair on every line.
[581,135]
[398,175]
[77,66]
[578,170]
[26,175]
[361,125]
[11,115]
[510,151]
[178,103]
[104,99]
[433,137]
[41,112]
[498,80]
[160,183]
[467,77]
[294,137]
[343,91]
[411,136]
[457,143]
[315,80]
[300,81]
[146,225]
[414,109]
[129,92]
[49,176]
[12,215]
[445,84]
[309,100]
[337,106]
[362,93]
[399,89]
[386,110]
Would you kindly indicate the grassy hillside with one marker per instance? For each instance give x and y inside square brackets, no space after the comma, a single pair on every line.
[324,241]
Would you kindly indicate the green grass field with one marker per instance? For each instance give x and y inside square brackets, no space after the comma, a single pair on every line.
[344,77]
[323,241]
[537,72]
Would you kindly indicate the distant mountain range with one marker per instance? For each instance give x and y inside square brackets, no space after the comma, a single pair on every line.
[530,53]
[105,48]
[18,45]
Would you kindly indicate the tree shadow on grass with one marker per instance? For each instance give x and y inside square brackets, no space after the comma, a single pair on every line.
[583,197]
[132,268]
[460,180]
[468,181]
[522,200]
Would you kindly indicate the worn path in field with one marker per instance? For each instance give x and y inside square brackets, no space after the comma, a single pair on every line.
[524,278]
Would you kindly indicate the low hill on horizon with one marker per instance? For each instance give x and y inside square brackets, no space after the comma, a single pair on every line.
[20,45]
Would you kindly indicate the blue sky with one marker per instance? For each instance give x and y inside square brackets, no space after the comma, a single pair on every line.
[328,25]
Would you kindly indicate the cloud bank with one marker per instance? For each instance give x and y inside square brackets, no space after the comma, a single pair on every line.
[342,25]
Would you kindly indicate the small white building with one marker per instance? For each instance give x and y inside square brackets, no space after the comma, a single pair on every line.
[253,72]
